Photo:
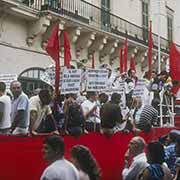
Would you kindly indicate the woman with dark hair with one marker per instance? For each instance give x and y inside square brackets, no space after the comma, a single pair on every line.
[156,169]
[85,163]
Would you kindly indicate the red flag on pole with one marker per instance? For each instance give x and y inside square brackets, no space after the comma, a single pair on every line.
[125,55]
[150,48]
[93,61]
[174,58]
[121,61]
[132,63]
[67,50]
[52,49]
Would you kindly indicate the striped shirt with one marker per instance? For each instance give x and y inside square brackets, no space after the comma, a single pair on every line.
[149,114]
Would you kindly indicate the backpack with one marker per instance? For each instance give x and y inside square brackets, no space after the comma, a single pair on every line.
[75,115]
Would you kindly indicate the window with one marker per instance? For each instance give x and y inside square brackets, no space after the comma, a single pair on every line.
[169,24]
[30,80]
[105,14]
[145,19]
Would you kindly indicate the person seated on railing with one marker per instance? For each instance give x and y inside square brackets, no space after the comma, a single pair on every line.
[145,116]
[74,118]
[41,118]
[110,115]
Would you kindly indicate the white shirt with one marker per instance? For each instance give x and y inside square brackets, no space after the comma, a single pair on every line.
[60,170]
[42,111]
[6,119]
[138,164]
[86,107]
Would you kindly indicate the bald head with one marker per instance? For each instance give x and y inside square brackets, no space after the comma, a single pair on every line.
[16,88]
[136,145]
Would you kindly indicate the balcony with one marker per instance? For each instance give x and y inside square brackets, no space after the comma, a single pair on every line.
[93,16]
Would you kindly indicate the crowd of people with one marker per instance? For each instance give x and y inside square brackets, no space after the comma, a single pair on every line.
[75,114]
[157,160]
[83,166]
[160,162]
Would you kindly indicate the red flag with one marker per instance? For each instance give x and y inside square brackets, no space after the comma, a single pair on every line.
[132,63]
[174,59]
[53,50]
[52,47]
[93,61]
[121,61]
[67,50]
[125,55]
[150,48]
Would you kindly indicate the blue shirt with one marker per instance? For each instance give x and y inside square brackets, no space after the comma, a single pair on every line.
[170,157]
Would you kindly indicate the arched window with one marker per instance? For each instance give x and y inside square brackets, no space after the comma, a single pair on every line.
[30,80]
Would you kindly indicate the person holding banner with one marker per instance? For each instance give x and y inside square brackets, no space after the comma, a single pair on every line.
[91,111]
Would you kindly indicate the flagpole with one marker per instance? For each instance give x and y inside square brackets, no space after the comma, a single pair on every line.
[159,38]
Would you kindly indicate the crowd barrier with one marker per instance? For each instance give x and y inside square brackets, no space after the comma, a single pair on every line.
[21,157]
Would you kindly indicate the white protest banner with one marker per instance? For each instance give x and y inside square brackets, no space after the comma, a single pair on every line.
[139,88]
[7,79]
[96,79]
[71,79]
[49,75]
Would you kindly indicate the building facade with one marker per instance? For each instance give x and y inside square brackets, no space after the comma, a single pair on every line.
[93,26]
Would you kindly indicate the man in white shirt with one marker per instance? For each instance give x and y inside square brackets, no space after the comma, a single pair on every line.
[5,110]
[59,168]
[91,112]
[139,162]
[41,118]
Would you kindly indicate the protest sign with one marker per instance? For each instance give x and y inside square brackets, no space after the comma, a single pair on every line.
[71,79]
[139,88]
[7,79]
[96,79]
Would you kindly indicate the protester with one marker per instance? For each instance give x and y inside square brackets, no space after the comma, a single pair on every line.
[91,112]
[135,150]
[145,116]
[5,110]
[84,161]
[41,118]
[156,169]
[74,118]
[170,150]
[177,162]
[110,115]
[19,109]
[59,167]
[102,99]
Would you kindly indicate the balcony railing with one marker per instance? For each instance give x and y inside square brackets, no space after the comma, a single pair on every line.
[89,14]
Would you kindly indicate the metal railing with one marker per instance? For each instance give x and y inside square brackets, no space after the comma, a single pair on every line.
[99,18]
